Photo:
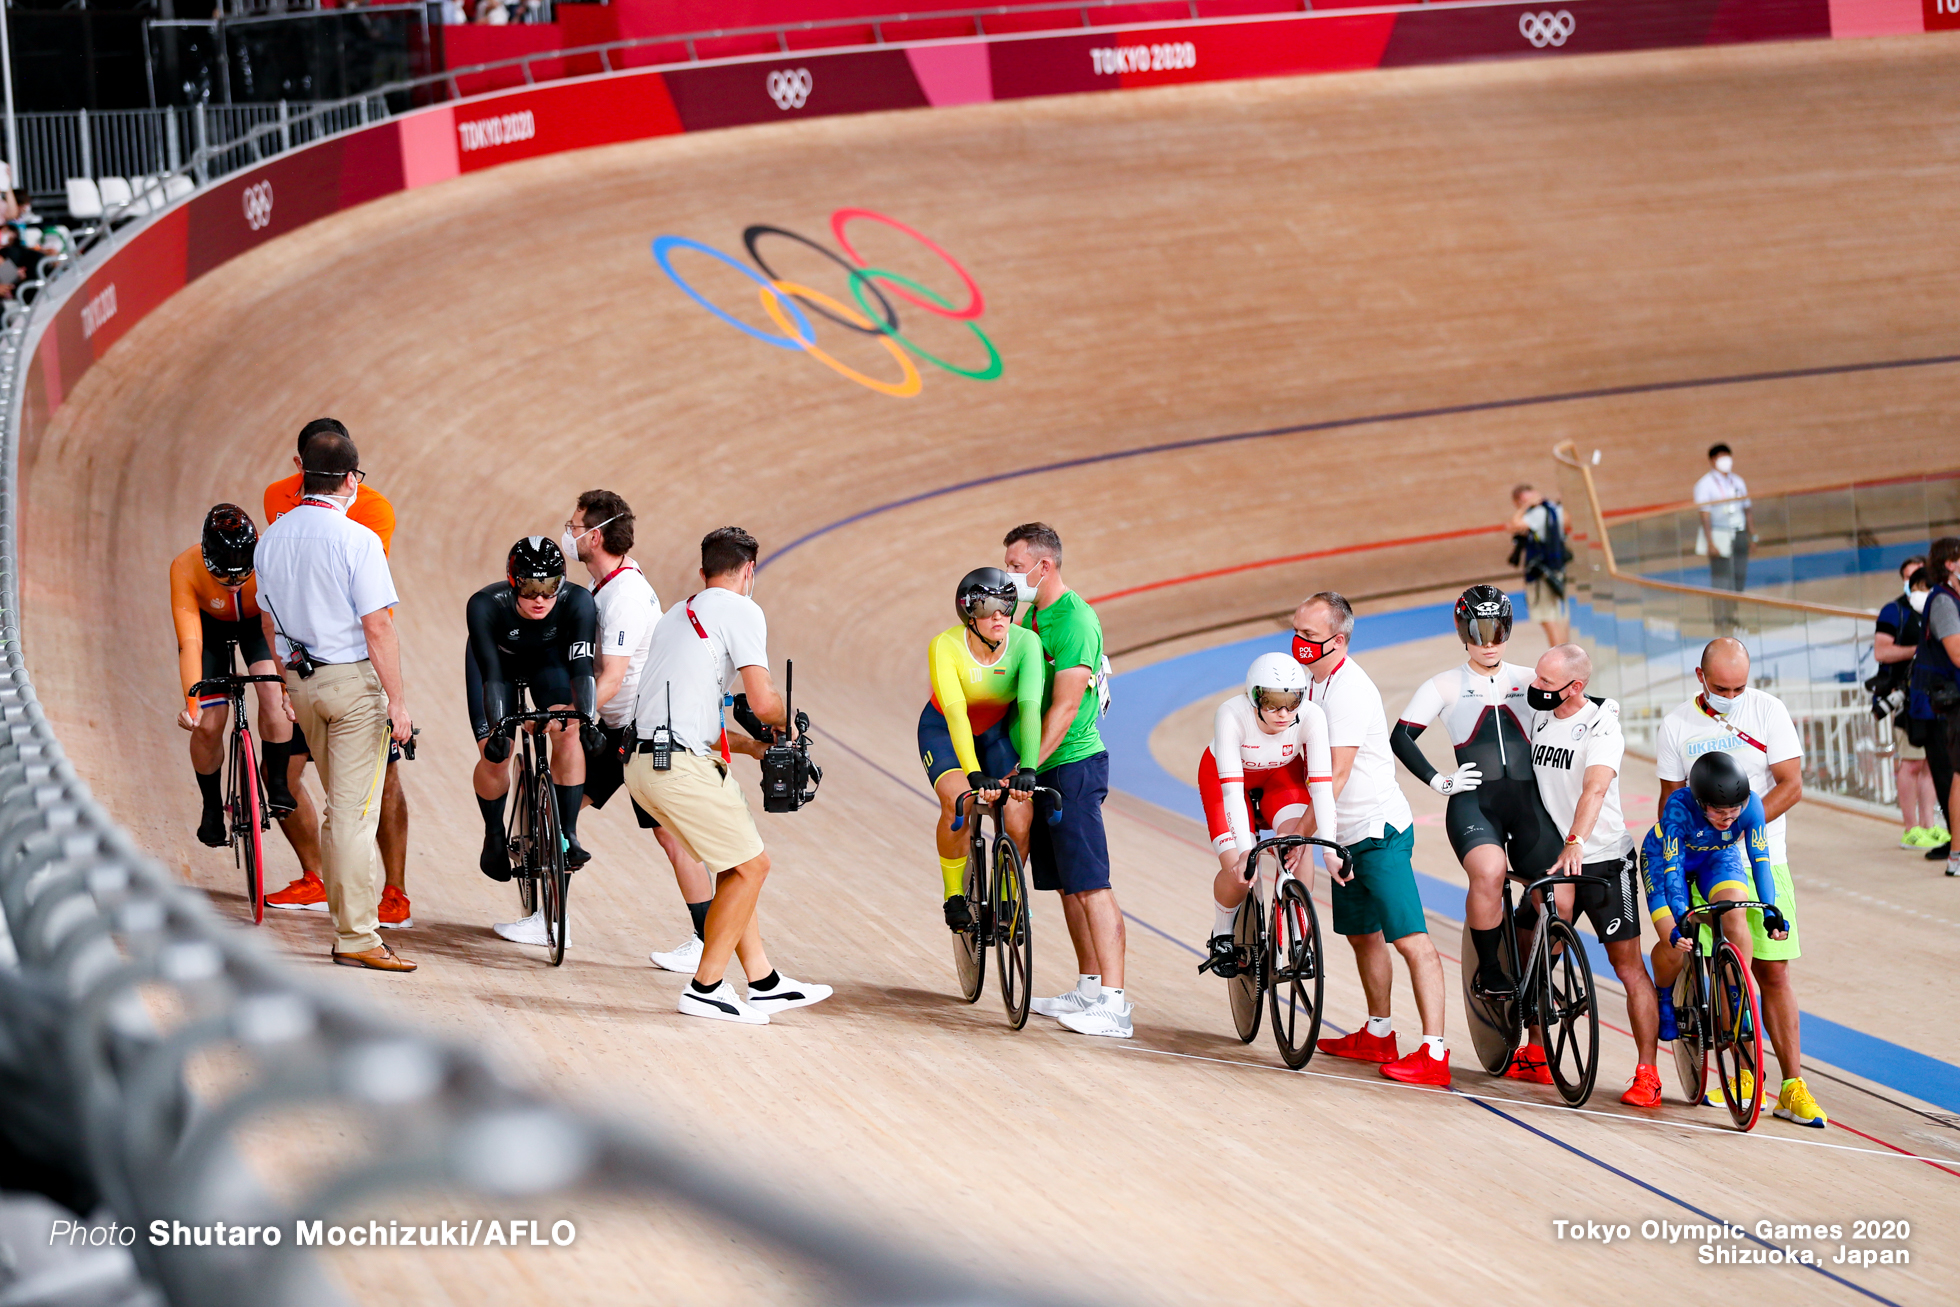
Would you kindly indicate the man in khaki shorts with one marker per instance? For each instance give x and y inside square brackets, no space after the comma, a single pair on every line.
[699,649]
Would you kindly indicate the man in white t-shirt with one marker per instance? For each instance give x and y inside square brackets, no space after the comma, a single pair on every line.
[700,648]
[1376,905]
[1755,728]
[1727,525]
[1576,752]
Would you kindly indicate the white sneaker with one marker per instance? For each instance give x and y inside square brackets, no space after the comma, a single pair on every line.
[721,1003]
[1110,1020]
[787,994]
[530,931]
[1062,1005]
[685,958]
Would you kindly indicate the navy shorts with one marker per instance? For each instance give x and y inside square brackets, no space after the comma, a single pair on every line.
[1072,855]
[995,747]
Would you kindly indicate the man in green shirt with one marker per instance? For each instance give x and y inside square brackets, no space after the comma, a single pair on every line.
[1072,856]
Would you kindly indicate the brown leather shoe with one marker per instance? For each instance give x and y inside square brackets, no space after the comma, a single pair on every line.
[381,958]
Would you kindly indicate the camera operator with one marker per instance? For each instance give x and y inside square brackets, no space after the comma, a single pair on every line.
[1936,675]
[679,770]
[1900,627]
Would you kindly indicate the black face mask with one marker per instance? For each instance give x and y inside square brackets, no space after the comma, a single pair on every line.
[1546,700]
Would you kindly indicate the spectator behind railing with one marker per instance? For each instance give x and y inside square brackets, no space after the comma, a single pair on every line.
[1900,627]
[1936,675]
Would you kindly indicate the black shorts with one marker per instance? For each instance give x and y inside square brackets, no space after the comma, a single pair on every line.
[1510,815]
[219,636]
[549,678]
[1614,911]
[605,772]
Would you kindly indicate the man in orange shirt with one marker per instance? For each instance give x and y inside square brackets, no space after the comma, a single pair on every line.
[214,606]
[372,510]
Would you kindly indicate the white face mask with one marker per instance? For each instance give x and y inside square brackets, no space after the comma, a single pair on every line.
[1717,702]
[1918,600]
[1724,464]
[1022,590]
[569,543]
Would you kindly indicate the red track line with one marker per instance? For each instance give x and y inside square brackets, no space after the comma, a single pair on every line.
[1295,558]
[1895,1148]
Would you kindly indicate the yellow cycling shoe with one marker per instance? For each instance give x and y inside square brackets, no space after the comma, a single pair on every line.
[1796,1104]
[1713,1098]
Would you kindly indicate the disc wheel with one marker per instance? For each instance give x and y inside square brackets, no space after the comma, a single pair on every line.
[1296,974]
[1013,933]
[1249,986]
[1570,1007]
[1690,1054]
[970,945]
[248,820]
[554,880]
[519,838]
[1738,1037]
[1496,1024]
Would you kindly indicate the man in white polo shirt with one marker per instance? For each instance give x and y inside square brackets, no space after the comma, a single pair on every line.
[1755,729]
[326,598]
[1377,905]
[700,648]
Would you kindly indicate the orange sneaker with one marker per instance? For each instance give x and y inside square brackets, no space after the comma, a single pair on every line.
[308,894]
[1528,1065]
[1418,1068]
[1362,1046]
[394,909]
[1645,1091]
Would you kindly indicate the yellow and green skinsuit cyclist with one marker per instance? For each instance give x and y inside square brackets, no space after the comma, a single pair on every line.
[984,717]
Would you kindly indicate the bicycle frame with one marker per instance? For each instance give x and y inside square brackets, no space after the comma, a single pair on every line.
[534,819]
[1278,951]
[999,903]
[245,807]
[1705,1032]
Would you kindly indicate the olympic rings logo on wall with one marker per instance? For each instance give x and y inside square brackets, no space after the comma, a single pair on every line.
[785,301]
[1546,28]
[790,87]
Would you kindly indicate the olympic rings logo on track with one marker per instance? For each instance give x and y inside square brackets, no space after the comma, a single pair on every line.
[1547,28]
[785,301]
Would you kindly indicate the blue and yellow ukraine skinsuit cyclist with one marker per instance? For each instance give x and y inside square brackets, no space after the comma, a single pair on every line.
[1683,862]
[982,717]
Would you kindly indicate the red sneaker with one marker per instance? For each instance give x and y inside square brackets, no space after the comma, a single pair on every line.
[1418,1068]
[308,894]
[1645,1091]
[394,909]
[1362,1046]
[1528,1065]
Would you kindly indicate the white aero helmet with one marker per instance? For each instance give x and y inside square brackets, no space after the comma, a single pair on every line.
[1275,680]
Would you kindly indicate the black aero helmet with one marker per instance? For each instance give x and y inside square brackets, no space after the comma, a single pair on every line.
[229,542]
[1483,615]
[535,567]
[983,592]
[1718,781]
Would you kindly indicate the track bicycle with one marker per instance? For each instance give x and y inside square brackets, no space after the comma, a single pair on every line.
[997,906]
[1277,953]
[536,836]
[246,818]
[1716,1010]
[1552,990]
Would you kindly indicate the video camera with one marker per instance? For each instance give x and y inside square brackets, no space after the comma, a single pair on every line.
[789,778]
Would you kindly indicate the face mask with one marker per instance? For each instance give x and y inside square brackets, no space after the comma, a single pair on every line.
[1308,652]
[1724,464]
[1717,703]
[569,543]
[1022,590]
[1918,600]
[1546,700]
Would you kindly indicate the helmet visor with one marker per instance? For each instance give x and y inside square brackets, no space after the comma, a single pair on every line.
[1277,700]
[537,587]
[1480,631]
[981,605]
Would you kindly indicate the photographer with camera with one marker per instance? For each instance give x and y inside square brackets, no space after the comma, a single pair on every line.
[679,770]
[1936,675]
[1538,547]
[1901,625]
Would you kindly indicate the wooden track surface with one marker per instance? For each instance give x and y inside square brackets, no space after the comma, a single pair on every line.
[1161,266]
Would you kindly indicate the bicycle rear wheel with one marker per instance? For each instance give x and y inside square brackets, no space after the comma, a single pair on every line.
[970,945]
[520,835]
[1690,1047]
[1496,1024]
[248,822]
[554,880]
[1248,987]
[1013,933]
[1297,976]
[1570,1007]
[1738,1036]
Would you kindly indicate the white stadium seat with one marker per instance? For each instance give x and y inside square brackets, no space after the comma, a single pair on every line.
[115,194]
[84,201]
[176,188]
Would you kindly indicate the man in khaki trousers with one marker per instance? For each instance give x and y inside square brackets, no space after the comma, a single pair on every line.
[327,599]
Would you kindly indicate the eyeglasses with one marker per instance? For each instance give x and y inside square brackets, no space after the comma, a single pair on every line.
[574,530]
[358,475]
[537,587]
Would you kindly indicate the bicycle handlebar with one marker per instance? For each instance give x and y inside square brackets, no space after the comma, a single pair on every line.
[509,723]
[1555,880]
[1285,842]
[959,801]
[1719,906]
[228,683]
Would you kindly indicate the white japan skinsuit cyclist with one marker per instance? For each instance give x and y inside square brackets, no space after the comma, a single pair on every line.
[1269,748]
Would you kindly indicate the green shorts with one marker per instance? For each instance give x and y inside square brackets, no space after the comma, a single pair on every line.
[1382,895]
[1762,946]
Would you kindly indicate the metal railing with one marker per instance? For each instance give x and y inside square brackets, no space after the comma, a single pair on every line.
[1820,558]
[139,991]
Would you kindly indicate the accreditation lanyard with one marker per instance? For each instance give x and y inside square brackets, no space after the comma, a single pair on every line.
[702,632]
[1701,702]
[626,563]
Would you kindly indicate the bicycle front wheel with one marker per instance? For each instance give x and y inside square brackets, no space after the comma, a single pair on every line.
[1013,933]
[554,880]
[970,945]
[248,809]
[1249,986]
[1690,1048]
[1295,973]
[1570,1007]
[1738,1037]
[522,837]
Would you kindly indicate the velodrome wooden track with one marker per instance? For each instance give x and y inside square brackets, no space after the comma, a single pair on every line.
[1159,267]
